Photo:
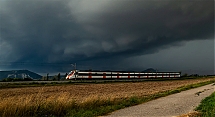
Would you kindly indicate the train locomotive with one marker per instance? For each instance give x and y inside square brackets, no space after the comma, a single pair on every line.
[76,74]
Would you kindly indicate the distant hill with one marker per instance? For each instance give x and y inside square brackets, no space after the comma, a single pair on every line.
[19,74]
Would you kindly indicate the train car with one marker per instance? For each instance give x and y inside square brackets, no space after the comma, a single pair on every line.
[75,74]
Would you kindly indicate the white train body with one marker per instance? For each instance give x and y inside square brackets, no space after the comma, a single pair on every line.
[119,75]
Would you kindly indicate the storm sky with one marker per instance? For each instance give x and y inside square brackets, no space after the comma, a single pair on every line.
[46,36]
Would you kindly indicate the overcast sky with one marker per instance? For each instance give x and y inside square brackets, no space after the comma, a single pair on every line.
[49,35]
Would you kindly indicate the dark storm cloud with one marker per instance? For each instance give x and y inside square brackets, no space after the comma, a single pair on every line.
[85,30]
[38,30]
[142,25]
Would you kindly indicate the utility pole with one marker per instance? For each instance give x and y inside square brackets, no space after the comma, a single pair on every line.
[74,65]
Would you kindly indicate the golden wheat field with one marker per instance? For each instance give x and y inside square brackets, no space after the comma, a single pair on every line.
[109,90]
[15,100]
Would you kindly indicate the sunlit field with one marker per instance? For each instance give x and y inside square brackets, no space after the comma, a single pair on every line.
[67,100]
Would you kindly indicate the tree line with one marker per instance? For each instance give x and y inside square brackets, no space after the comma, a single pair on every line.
[57,77]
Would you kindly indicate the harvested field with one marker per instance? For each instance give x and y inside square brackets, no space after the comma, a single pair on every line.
[84,92]
[81,99]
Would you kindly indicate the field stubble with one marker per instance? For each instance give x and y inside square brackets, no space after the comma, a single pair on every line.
[32,101]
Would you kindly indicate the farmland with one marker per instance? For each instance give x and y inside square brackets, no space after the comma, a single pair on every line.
[59,100]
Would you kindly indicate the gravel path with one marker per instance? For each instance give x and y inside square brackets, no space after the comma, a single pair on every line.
[169,106]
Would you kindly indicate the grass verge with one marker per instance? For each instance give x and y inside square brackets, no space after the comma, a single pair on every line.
[207,106]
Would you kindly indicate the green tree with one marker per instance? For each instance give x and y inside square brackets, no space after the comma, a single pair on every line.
[44,78]
[47,77]
[185,75]
[54,78]
[58,76]
[65,75]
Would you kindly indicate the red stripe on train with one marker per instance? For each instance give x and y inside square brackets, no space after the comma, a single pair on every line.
[128,75]
[90,75]
[104,75]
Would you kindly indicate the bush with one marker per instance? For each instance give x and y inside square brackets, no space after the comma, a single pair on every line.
[16,79]
[7,80]
[27,79]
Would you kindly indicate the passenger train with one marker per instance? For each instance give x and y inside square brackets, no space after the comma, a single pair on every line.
[76,74]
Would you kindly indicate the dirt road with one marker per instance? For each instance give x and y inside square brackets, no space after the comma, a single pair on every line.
[169,106]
